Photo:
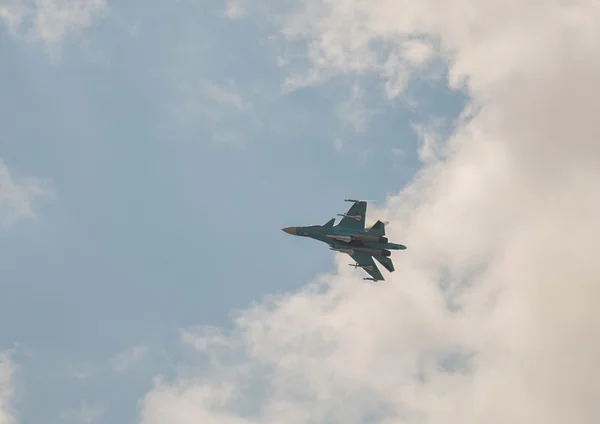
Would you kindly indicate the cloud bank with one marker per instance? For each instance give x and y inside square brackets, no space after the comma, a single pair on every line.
[492,313]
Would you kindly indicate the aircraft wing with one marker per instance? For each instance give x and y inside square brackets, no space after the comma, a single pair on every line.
[367,263]
[354,219]
[386,262]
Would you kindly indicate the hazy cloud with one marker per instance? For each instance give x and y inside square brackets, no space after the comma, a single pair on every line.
[50,21]
[17,196]
[224,94]
[130,358]
[353,111]
[235,9]
[85,413]
[210,101]
[338,144]
[7,370]
[12,13]
[431,138]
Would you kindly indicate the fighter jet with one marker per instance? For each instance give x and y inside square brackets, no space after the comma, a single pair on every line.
[350,236]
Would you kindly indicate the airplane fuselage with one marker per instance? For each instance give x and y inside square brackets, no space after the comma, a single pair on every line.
[343,240]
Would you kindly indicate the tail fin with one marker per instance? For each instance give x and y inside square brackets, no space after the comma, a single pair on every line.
[378,228]
[330,223]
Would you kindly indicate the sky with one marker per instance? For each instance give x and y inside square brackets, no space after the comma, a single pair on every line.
[151,152]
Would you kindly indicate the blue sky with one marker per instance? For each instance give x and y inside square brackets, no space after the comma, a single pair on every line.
[171,157]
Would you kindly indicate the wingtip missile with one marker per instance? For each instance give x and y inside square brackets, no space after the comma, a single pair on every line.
[367,267]
[357,217]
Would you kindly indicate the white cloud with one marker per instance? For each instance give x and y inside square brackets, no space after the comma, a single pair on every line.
[50,21]
[55,18]
[418,52]
[340,41]
[17,196]
[503,227]
[432,138]
[7,370]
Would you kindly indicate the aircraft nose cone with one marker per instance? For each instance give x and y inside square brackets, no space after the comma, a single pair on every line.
[290,230]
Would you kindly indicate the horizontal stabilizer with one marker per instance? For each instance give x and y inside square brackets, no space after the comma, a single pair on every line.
[330,223]
[386,262]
